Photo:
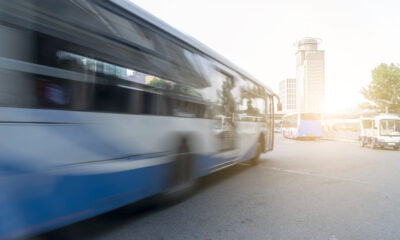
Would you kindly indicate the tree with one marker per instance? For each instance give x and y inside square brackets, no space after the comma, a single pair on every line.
[160,83]
[226,98]
[383,93]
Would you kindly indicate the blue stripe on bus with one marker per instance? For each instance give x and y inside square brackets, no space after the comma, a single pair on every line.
[37,199]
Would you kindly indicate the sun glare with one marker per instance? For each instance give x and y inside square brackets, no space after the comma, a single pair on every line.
[340,101]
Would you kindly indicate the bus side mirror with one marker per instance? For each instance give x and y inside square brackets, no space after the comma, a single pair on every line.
[279,107]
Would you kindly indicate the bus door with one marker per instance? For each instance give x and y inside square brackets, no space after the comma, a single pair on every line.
[269,132]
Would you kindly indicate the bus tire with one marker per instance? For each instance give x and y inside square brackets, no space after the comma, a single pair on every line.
[260,149]
[182,182]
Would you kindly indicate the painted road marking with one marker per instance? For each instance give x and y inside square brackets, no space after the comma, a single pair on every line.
[310,174]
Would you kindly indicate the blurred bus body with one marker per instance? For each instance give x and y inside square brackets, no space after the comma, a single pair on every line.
[102,104]
[302,125]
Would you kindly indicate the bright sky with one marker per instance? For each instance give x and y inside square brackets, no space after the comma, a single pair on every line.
[258,35]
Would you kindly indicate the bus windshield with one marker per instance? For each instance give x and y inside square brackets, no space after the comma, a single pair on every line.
[390,127]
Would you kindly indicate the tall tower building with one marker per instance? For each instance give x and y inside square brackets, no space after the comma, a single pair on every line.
[287,95]
[310,76]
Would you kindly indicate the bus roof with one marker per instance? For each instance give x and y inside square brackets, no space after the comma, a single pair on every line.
[141,13]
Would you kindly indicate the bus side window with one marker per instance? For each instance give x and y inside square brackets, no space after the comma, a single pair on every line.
[126,29]
[252,106]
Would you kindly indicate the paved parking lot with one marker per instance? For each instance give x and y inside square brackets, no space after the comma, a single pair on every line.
[301,190]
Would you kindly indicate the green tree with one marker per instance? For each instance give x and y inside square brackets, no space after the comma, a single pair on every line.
[226,98]
[383,93]
[160,83]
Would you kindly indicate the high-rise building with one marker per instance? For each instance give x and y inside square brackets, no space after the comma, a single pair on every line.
[310,76]
[287,95]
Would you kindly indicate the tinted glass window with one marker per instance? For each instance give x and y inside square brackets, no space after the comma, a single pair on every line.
[126,29]
[253,104]
[390,127]
[53,14]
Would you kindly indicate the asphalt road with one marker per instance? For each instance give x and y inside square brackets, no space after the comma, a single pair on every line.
[301,190]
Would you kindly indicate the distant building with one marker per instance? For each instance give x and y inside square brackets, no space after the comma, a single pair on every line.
[310,76]
[287,95]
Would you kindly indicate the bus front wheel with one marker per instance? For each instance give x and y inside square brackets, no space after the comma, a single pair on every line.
[260,149]
[182,181]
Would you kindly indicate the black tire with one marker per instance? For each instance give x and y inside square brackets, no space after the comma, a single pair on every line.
[260,145]
[182,182]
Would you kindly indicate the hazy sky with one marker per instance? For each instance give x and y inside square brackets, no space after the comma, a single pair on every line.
[258,35]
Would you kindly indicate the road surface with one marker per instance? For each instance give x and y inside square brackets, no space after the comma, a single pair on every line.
[302,190]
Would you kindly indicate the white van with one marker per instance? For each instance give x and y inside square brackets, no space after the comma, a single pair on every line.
[380,131]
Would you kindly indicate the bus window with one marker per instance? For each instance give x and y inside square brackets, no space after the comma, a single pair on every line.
[126,29]
[252,106]
[224,110]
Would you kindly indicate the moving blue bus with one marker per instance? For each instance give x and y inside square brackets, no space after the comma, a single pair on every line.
[102,105]
[302,125]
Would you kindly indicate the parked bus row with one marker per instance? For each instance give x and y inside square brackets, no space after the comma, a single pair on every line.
[379,131]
